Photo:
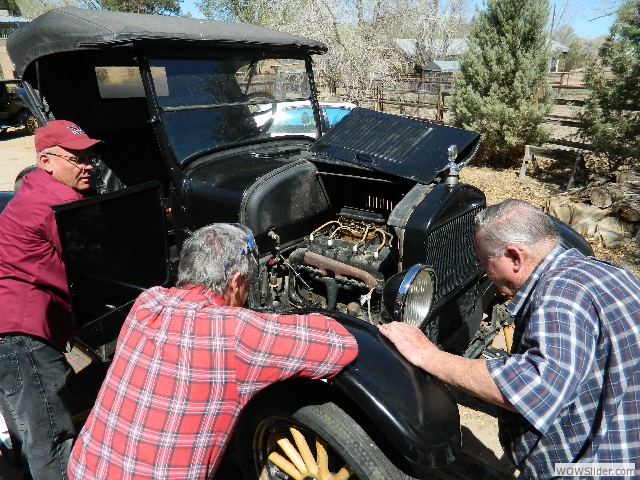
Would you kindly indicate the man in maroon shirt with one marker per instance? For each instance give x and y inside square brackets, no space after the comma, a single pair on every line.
[35,321]
[189,358]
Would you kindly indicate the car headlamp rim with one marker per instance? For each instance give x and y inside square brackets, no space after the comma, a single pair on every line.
[404,290]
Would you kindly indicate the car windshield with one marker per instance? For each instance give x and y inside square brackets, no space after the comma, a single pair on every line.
[211,104]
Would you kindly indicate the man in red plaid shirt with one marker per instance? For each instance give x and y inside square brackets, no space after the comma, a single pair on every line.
[189,358]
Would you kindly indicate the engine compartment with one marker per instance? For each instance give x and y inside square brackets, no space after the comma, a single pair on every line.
[341,265]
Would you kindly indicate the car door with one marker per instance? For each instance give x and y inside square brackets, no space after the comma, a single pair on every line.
[114,246]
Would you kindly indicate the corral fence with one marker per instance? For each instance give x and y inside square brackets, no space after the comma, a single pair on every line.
[425,96]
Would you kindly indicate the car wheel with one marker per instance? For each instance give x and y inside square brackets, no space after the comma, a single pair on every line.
[315,442]
[30,124]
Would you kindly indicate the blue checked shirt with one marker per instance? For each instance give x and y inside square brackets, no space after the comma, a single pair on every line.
[574,372]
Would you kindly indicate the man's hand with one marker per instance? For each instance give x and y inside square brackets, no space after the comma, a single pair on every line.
[410,342]
[470,375]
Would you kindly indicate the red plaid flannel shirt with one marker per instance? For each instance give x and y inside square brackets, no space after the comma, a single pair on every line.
[184,368]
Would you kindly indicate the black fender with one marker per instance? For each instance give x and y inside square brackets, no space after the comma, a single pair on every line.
[417,413]
[5,197]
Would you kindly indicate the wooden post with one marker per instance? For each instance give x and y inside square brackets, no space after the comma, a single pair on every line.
[378,97]
[525,160]
[539,94]
[579,174]
[439,104]
[529,156]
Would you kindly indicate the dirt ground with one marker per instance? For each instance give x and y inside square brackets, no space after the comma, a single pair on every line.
[479,421]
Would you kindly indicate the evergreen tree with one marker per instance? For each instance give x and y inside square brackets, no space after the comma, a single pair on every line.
[11,6]
[611,119]
[501,89]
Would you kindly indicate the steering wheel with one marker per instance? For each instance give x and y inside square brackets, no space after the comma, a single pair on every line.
[257,113]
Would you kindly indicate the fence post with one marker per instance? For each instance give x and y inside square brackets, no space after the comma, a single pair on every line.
[378,100]
[439,103]
[525,160]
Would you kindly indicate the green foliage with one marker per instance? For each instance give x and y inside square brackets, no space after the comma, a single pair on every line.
[574,55]
[11,6]
[611,119]
[153,7]
[501,89]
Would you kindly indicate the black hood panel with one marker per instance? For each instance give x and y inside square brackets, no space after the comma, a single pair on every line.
[399,146]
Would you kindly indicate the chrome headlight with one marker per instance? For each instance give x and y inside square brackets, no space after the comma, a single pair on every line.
[408,295]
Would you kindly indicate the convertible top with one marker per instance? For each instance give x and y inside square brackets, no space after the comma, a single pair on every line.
[70,28]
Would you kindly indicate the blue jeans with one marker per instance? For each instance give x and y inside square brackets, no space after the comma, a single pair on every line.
[33,387]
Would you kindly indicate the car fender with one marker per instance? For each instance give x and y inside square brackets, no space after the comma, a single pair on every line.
[5,197]
[417,413]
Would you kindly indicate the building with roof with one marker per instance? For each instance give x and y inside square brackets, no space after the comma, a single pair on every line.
[442,66]
[443,50]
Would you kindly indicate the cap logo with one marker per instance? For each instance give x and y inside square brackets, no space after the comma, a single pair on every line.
[76,130]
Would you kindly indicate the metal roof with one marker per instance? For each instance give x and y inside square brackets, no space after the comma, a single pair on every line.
[70,28]
[442,66]
[454,47]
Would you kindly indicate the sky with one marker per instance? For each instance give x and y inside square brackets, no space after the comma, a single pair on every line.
[584,20]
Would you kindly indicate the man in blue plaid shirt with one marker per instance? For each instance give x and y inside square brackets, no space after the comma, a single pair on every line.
[570,389]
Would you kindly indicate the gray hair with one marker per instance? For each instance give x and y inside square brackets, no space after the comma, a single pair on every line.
[514,222]
[213,255]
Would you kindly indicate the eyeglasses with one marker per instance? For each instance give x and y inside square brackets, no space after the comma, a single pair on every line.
[479,263]
[80,162]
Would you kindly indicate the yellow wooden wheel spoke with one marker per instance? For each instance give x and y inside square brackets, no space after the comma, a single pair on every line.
[508,336]
[344,473]
[323,461]
[291,452]
[300,462]
[284,465]
[305,451]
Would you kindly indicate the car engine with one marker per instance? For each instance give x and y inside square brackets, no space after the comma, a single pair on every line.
[341,265]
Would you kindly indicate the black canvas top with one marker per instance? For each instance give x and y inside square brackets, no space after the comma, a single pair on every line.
[405,147]
[70,28]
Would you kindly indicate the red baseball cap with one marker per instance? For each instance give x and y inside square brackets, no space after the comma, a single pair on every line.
[63,133]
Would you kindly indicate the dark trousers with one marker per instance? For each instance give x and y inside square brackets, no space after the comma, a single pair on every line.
[33,391]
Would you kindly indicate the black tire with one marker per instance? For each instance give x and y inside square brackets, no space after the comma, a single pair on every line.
[348,447]
[30,124]
[28,121]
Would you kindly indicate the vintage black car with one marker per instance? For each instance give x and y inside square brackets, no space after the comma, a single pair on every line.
[367,222]
[13,111]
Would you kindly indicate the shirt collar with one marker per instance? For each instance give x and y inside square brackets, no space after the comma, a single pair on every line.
[520,299]
[200,294]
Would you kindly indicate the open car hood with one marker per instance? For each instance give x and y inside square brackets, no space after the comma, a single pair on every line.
[400,146]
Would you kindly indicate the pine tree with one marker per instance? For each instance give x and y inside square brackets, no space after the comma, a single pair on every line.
[611,120]
[501,89]
[11,6]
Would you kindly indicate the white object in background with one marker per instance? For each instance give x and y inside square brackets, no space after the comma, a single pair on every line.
[5,439]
